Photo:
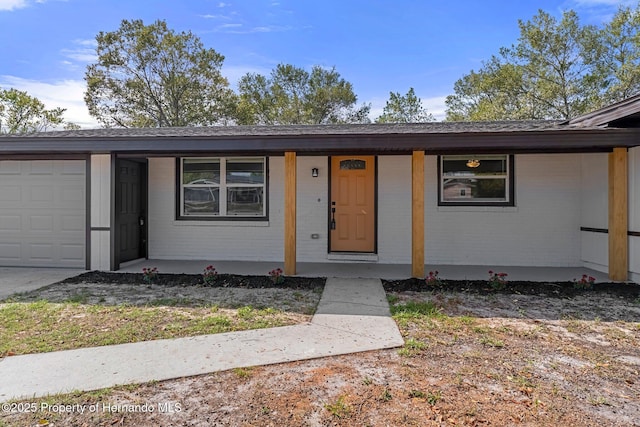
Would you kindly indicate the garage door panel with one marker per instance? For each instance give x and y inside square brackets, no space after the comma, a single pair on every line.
[38,252]
[9,167]
[10,253]
[10,193]
[71,253]
[72,167]
[42,213]
[72,195]
[41,223]
[10,223]
[41,193]
[72,223]
[41,167]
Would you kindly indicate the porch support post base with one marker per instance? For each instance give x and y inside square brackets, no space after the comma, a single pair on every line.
[417,214]
[618,215]
[290,213]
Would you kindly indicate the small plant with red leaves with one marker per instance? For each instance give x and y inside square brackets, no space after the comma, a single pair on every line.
[586,282]
[497,281]
[276,276]
[149,274]
[433,280]
[209,275]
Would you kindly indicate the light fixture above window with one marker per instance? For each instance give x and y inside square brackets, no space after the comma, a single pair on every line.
[473,163]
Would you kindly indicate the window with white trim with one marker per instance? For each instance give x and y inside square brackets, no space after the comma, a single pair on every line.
[223,187]
[476,180]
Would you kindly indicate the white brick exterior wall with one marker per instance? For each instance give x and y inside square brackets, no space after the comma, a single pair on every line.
[394,209]
[543,229]
[595,211]
[211,240]
[312,204]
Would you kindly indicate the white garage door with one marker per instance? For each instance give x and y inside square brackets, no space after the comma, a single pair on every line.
[42,213]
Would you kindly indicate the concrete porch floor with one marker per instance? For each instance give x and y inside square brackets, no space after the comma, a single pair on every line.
[367,270]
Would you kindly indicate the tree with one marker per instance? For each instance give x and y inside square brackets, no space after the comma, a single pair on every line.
[546,75]
[291,95]
[617,59]
[404,109]
[151,76]
[495,92]
[22,113]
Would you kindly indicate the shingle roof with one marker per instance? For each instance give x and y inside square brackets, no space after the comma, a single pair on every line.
[437,137]
[302,130]
[620,113]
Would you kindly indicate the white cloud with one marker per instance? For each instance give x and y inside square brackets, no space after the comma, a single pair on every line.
[210,16]
[377,106]
[238,29]
[82,53]
[436,106]
[86,42]
[596,11]
[234,73]
[12,4]
[603,2]
[68,94]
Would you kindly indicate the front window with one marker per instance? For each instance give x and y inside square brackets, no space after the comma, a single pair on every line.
[222,187]
[485,180]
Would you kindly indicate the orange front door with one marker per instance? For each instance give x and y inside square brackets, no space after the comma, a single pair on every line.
[353,198]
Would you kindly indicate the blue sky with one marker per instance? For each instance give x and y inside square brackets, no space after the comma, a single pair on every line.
[379,46]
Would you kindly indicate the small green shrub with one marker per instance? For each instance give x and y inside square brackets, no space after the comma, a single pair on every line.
[209,275]
[149,274]
[339,409]
[497,281]
[585,282]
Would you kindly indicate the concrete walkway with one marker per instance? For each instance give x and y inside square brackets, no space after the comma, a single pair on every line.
[352,316]
[21,279]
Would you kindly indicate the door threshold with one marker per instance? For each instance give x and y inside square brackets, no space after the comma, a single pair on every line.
[352,257]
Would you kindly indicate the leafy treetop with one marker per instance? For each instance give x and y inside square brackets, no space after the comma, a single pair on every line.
[151,76]
[22,113]
[292,95]
[404,109]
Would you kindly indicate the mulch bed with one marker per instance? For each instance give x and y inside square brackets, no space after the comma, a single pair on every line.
[221,280]
[482,287]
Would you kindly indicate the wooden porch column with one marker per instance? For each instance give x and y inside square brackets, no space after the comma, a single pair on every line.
[290,213]
[618,215]
[417,214]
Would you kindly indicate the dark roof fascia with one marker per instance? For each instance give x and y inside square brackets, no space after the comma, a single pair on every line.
[562,140]
[606,115]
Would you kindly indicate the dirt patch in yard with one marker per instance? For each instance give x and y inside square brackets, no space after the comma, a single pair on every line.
[472,357]
[294,294]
